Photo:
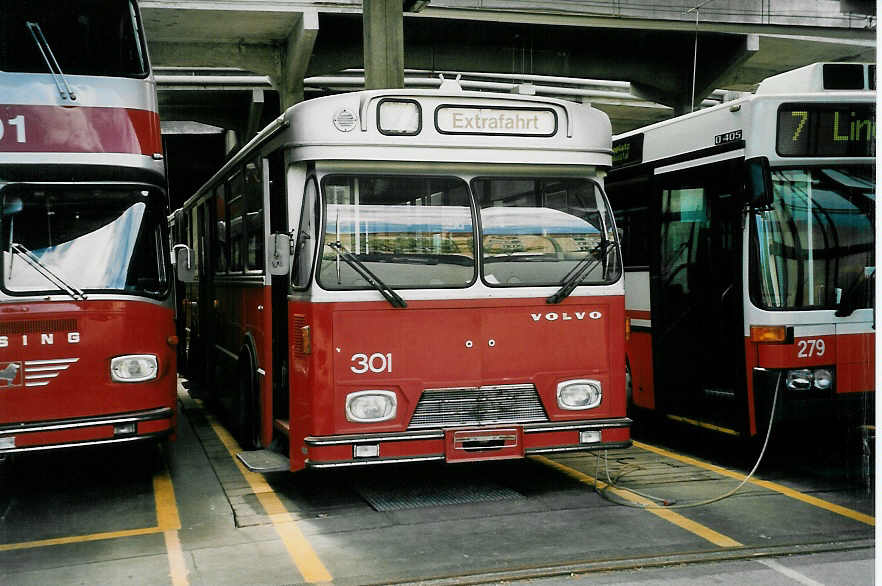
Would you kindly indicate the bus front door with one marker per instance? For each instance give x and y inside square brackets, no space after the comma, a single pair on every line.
[698,347]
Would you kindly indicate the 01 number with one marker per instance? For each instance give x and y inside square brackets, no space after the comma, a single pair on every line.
[374,363]
[19,124]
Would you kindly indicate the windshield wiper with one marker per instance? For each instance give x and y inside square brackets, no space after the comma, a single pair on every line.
[366,274]
[51,62]
[34,261]
[582,268]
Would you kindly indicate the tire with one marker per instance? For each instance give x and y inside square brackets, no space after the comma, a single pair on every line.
[248,406]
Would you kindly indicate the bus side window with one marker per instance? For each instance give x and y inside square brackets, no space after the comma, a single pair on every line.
[304,253]
[630,203]
[220,250]
[237,221]
[254,232]
[195,239]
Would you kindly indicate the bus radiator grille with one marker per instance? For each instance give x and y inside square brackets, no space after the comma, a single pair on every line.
[495,404]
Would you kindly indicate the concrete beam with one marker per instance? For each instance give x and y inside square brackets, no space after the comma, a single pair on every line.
[299,47]
[697,78]
[259,58]
[746,22]
[713,78]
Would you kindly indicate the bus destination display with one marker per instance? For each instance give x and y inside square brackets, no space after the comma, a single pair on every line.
[826,130]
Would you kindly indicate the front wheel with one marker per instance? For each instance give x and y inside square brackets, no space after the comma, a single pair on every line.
[248,406]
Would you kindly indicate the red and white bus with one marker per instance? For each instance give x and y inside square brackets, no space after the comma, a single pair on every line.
[87,340]
[748,235]
[412,275]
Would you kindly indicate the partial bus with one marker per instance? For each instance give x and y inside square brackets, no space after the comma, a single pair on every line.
[87,344]
[749,254]
[411,275]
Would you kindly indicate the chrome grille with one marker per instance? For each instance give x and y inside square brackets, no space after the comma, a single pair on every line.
[478,406]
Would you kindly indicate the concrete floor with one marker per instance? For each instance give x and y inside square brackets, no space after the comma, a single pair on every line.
[191,515]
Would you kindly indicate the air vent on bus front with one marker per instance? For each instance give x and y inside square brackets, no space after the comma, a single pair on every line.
[39,326]
[478,406]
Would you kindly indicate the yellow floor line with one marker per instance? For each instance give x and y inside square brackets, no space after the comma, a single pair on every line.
[672,517]
[170,522]
[303,555]
[166,516]
[80,538]
[773,486]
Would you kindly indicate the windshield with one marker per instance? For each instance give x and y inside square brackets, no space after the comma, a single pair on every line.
[408,231]
[814,244]
[90,239]
[538,231]
[88,37]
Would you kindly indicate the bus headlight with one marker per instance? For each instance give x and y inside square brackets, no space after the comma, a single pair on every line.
[804,379]
[823,379]
[134,368]
[799,380]
[371,406]
[579,394]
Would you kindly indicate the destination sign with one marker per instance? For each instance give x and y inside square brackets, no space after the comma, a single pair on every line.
[513,121]
[826,130]
[627,151]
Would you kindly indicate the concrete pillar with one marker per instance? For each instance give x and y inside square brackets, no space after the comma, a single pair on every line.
[383,44]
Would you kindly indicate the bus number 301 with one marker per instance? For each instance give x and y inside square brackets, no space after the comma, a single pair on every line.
[373,363]
[19,124]
[809,348]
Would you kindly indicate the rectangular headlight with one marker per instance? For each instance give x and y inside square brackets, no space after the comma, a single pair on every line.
[134,368]
[371,406]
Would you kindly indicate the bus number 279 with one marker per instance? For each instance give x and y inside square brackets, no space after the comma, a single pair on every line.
[374,363]
[809,348]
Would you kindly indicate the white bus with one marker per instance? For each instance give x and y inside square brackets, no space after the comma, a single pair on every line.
[748,246]
[411,275]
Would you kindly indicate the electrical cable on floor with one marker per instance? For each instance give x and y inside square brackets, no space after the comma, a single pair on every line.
[669,504]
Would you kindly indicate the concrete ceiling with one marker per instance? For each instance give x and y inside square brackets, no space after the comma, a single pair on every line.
[289,41]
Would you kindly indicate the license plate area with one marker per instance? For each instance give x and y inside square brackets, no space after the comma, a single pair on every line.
[471,445]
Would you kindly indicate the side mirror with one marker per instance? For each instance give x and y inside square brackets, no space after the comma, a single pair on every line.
[759,182]
[279,254]
[12,205]
[184,266]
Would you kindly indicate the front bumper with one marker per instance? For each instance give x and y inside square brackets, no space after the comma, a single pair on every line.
[822,406]
[86,431]
[492,442]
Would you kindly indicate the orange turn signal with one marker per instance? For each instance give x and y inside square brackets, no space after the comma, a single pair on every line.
[768,334]
[306,336]
[172,341]
[627,329]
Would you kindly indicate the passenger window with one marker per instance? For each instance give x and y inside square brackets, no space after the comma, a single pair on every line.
[237,229]
[630,203]
[254,232]
[221,250]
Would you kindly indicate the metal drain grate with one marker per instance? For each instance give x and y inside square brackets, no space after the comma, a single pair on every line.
[431,493]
